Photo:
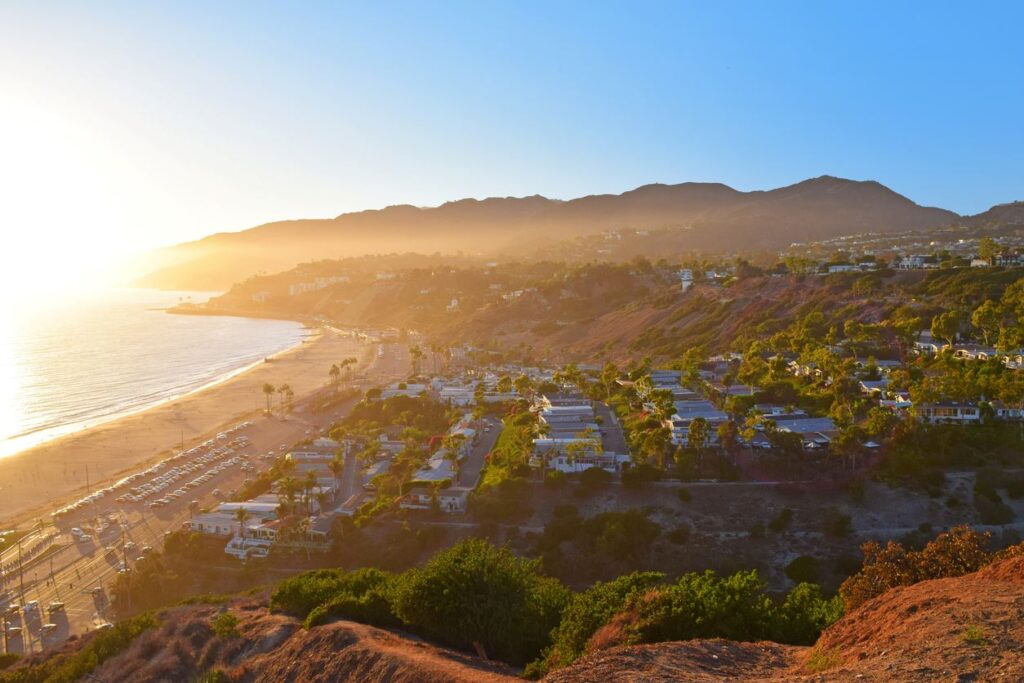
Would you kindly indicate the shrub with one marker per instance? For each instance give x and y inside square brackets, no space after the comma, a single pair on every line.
[836,523]
[8,658]
[959,551]
[803,569]
[589,611]
[364,596]
[805,614]
[703,606]
[100,648]
[680,535]
[555,478]
[225,625]
[639,475]
[781,521]
[623,535]
[477,595]
[298,595]
[594,479]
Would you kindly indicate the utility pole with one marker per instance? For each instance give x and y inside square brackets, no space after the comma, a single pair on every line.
[21,574]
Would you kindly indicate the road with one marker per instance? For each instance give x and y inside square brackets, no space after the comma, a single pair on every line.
[65,574]
[469,472]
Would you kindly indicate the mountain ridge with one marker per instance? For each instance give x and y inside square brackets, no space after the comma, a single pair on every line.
[717,216]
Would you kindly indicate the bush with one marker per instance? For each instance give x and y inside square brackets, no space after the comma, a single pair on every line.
[364,596]
[622,535]
[298,595]
[959,551]
[589,611]
[594,479]
[639,475]
[803,569]
[100,648]
[225,625]
[555,478]
[805,614]
[782,521]
[477,595]
[680,535]
[836,523]
[703,606]
[7,659]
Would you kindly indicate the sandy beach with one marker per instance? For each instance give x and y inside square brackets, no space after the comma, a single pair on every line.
[35,481]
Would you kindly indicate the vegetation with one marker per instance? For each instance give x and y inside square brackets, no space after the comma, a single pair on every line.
[956,552]
[79,664]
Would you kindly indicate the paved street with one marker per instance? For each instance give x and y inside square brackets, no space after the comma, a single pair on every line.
[469,473]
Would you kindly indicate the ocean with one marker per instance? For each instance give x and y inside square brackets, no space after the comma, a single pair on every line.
[92,357]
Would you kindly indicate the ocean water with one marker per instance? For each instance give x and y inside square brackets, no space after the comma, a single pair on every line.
[86,359]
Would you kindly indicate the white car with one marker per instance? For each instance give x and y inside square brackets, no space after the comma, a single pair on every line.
[31,606]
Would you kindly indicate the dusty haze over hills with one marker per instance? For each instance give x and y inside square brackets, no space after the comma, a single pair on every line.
[715,216]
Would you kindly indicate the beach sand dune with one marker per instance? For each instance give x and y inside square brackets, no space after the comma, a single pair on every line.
[36,481]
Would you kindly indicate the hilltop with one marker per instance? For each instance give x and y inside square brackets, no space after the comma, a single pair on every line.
[966,628]
[704,216]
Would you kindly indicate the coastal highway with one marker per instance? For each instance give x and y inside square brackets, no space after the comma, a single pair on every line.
[71,571]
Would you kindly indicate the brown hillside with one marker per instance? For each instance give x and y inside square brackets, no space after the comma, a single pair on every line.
[969,628]
[273,648]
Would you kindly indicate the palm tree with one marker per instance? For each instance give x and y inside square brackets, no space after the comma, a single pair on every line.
[242,515]
[286,394]
[416,354]
[268,391]
[288,487]
[310,484]
[336,466]
[335,373]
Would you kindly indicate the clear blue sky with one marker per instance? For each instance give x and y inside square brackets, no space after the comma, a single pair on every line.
[185,118]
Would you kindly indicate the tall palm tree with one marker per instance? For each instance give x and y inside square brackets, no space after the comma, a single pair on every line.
[336,466]
[310,484]
[285,393]
[335,373]
[242,515]
[268,391]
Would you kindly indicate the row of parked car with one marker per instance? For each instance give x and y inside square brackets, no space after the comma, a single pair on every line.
[171,478]
[216,445]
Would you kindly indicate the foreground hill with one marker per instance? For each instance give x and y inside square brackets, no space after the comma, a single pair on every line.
[713,216]
[969,628]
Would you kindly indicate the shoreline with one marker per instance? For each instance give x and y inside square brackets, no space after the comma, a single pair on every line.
[35,481]
[71,429]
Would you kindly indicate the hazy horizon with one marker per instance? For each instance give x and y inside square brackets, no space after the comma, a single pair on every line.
[141,126]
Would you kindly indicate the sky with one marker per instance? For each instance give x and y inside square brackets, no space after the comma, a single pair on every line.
[130,125]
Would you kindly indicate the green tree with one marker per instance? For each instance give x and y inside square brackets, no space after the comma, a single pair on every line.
[988,249]
[987,318]
[477,596]
[946,326]
[698,433]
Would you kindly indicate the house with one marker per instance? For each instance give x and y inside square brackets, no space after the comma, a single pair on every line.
[685,278]
[214,524]
[450,500]
[948,411]
[688,411]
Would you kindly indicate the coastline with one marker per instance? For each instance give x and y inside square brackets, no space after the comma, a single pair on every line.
[52,435]
[35,481]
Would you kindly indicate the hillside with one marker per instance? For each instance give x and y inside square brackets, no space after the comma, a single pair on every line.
[713,216]
[1000,215]
[595,312]
[969,628]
